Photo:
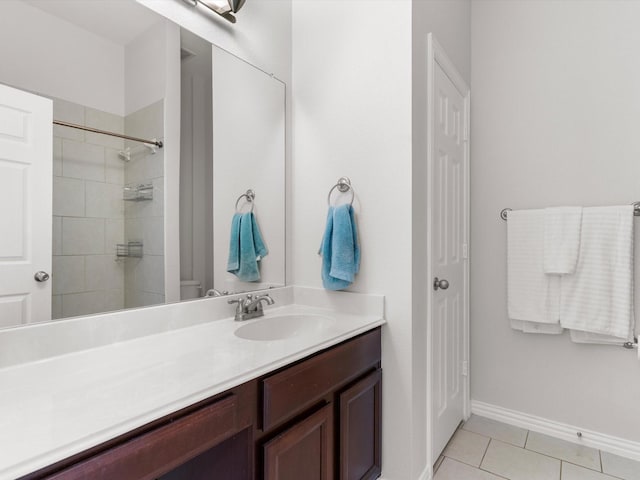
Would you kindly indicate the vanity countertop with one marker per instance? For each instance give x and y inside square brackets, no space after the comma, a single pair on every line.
[55,407]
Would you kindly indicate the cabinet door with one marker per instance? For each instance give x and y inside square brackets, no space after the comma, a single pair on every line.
[360,429]
[305,451]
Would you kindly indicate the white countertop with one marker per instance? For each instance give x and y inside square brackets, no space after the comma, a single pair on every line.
[55,407]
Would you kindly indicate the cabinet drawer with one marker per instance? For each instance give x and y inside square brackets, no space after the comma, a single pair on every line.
[293,390]
[158,451]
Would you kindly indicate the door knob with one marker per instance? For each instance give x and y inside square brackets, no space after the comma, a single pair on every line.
[443,284]
[41,276]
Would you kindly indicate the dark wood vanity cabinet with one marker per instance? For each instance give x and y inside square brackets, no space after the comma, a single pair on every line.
[327,408]
[317,419]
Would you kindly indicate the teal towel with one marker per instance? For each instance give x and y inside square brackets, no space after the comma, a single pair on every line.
[340,249]
[246,247]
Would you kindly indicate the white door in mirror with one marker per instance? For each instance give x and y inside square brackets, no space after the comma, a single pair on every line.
[26,167]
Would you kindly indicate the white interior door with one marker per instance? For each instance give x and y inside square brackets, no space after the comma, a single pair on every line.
[26,165]
[448,229]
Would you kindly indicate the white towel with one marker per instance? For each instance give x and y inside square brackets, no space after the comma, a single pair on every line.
[532,296]
[598,298]
[561,239]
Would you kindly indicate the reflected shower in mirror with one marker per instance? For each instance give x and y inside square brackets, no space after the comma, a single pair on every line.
[116,203]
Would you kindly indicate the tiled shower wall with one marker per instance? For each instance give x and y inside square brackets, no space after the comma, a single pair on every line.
[88,213]
[90,216]
[144,220]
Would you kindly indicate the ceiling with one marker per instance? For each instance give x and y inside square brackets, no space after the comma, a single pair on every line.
[117,20]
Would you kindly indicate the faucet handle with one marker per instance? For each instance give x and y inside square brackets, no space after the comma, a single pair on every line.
[266,297]
[239,301]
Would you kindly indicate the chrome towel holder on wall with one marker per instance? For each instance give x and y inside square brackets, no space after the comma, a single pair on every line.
[343,185]
[636,211]
[250,195]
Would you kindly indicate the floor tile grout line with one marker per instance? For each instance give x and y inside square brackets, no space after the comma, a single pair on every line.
[485,451]
[600,457]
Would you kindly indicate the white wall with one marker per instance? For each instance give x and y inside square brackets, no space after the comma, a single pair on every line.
[450,22]
[555,108]
[79,66]
[145,80]
[352,116]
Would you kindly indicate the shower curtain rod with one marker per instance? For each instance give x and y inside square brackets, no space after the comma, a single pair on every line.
[157,143]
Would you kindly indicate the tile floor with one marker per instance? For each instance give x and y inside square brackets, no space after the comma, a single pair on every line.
[483,449]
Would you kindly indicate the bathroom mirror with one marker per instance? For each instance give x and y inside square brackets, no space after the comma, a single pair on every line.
[135,225]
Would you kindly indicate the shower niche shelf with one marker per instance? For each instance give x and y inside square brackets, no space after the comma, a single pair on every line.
[129,250]
[138,193]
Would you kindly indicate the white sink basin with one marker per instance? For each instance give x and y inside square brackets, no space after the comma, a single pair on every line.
[284,326]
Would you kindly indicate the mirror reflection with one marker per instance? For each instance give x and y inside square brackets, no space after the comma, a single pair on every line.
[132,224]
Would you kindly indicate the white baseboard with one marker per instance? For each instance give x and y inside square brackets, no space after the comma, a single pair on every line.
[425,475]
[589,438]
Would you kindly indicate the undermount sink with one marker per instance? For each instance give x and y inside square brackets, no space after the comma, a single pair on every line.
[284,326]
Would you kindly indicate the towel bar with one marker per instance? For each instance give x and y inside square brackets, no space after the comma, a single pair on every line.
[636,211]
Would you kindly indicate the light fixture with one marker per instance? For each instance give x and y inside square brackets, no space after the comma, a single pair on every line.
[224,8]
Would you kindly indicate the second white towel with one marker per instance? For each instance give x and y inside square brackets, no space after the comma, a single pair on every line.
[598,298]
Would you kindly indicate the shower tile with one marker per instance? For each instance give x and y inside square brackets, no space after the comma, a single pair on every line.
[104,121]
[153,235]
[83,236]
[136,298]
[114,166]
[467,447]
[104,200]
[113,300]
[57,236]
[82,303]
[154,164]
[621,467]
[71,113]
[517,463]
[134,229]
[574,472]
[135,171]
[102,272]
[157,204]
[498,430]
[571,452]
[56,307]
[82,160]
[114,234]
[57,157]
[68,197]
[67,274]
[149,275]
[453,470]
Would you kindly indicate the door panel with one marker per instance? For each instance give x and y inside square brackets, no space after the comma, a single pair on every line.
[25,206]
[448,230]
[360,440]
[305,451]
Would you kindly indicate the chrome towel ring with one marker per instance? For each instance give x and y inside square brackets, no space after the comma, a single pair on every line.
[250,195]
[343,186]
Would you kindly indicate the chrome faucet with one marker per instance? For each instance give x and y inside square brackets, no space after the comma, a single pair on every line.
[213,292]
[250,306]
